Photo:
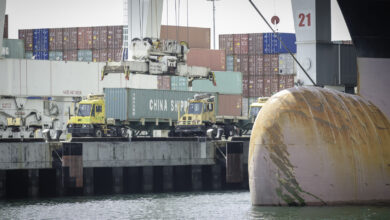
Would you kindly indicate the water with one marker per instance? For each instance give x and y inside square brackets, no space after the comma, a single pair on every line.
[204,205]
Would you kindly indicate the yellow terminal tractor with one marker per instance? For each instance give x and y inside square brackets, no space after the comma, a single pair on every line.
[90,120]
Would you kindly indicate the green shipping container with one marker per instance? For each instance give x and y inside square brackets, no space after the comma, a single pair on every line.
[179,83]
[13,48]
[28,55]
[84,55]
[128,104]
[227,83]
[56,55]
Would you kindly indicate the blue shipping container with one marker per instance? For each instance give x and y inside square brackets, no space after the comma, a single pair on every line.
[229,63]
[41,40]
[41,55]
[272,45]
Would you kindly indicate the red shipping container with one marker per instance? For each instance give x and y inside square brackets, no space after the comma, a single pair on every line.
[226,43]
[255,44]
[27,36]
[259,86]
[84,40]
[274,84]
[164,82]
[229,105]
[252,65]
[252,86]
[110,37]
[99,55]
[70,38]
[118,37]
[237,43]
[110,55]
[245,86]
[289,81]
[118,54]
[274,63]
[195,36]
[267,86]
[259,69]
[70,55]
[214,59]
[244,64]
[282,82]
[55,39]
[267,64]
[244,43]
[99,37]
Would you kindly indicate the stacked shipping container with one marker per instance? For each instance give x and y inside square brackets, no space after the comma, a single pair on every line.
[98,44]
[261,58]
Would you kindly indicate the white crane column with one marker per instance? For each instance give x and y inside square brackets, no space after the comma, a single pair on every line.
[2,18]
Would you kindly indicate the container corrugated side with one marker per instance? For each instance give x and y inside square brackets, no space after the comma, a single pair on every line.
[272,45]
[229,63]
[227,83]
[84,55]
[245,86]
[245,107]
[14,48]
[70,55]
[244,43]
[142,103]
[179,83]
[41,40]
[55,39]
[259,86]
[195,36]
[286,64]
[229,105]
[56,55]
[27,36]
[70,36]
[99,55]
[236,43]
[84,38]
[164,82]
[214,59]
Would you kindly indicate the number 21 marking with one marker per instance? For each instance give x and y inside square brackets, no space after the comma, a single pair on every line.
[302,16]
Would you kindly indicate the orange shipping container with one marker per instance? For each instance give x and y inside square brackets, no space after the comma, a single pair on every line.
[229,105]
[196,37]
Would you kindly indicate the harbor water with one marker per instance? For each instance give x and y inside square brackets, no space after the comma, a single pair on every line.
[188,205]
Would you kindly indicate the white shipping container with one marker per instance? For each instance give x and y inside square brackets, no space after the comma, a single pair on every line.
[286,64]
[245,107]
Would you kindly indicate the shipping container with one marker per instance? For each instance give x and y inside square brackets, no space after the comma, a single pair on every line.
[259,67]
[252,65]
[5,33]
[229,63]
[70,55]
[229,104]
[119,54]
[13,48]
[259,86]
[164,82]
[55,39]
[226,43]
[99,55]
[28,55]
[114,37]
[244,42]
[274,64]
[99,37]
[267,64]
[134,104]
[41,42]
[245,86]
[282,82]
[267,85]
[236,43]
[245,107]
[179,83]
[195,37]
[227,83]
[84,55]
[40,55]
[236,63]
[214,59]
[290,81]
[255,44]
[252,86]
[70,36]
[84,38]
[286,64]
[274,84]
[272,45]
[27,36]
[56,55]
[244,64]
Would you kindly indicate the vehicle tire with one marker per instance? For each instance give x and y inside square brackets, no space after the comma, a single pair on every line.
[98,133]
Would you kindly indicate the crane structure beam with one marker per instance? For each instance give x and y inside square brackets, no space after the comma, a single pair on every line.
[2,19]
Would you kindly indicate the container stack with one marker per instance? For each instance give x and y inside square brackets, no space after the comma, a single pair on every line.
[265,65]
[97,44]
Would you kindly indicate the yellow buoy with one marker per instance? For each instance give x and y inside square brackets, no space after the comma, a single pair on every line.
[314,146]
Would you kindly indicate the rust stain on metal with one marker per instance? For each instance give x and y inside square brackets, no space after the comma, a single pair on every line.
[322,147]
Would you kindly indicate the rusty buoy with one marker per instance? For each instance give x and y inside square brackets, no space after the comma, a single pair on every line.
[314,146]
